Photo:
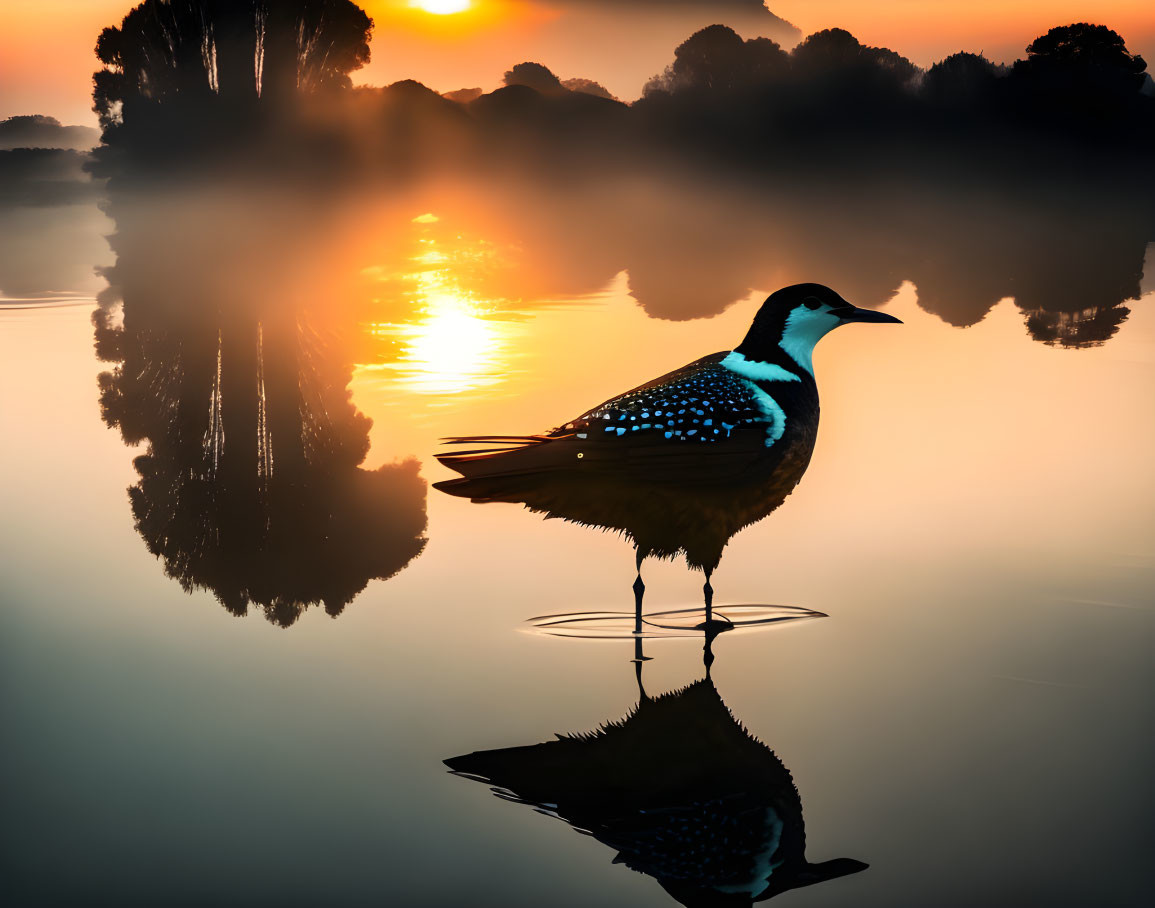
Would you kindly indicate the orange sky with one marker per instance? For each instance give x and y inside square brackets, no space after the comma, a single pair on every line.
[46,45]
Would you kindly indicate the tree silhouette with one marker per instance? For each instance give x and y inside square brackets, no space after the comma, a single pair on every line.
[717,59]
[175,51]
[589,87]
[37,131]
[841,84]
[834,52]
[1082,80]
[960,79]
[535,76]
[1085,47]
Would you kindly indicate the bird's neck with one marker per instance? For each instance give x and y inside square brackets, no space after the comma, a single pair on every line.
[802,332]
[788,342]
[757,369]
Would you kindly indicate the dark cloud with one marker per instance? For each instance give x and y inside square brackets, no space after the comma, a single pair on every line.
[731,12]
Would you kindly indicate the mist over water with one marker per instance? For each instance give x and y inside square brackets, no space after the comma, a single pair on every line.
[234,334]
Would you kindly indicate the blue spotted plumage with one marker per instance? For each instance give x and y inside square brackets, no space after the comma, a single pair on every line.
[682,462]
[706,404]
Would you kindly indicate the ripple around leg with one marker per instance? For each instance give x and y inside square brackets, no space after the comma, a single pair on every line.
[687,622]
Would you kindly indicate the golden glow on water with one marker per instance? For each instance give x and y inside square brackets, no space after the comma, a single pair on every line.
[458,341]
[454,348]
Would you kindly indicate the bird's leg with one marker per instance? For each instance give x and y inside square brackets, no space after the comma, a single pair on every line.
[708,593]
[710,626]
[708,649]
[639,592]
[639,658]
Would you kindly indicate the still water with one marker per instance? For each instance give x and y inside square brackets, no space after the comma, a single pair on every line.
[971,724]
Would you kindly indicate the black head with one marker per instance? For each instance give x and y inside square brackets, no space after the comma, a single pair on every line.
[795,318]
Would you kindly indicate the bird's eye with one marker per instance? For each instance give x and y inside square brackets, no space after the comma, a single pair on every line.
[812,302]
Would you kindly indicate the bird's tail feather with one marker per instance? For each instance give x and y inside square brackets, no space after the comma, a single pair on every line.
[493,445]
[504,440]
[501,469]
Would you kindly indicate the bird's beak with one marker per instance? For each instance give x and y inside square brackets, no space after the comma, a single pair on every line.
[854,314]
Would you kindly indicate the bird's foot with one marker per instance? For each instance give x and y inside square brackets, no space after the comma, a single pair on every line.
[715,625]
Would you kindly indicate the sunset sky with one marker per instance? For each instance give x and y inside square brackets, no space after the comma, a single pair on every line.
[46,56]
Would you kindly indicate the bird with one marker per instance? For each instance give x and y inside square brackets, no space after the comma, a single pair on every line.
[681,792]
[681,463]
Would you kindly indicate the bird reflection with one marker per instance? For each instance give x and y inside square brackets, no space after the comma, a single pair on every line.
[250,484]
[680,790]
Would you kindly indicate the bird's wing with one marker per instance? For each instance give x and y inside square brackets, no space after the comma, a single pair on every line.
[701,402]
[662,431]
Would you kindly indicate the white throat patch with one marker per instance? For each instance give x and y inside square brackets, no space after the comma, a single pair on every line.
[805,328]
[757,371]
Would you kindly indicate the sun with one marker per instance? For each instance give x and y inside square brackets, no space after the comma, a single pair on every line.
[441,7]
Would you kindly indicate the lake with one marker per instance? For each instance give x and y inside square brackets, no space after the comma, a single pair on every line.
[973,716]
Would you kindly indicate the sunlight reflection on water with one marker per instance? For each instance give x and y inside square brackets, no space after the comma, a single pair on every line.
[460,341]
[455,347]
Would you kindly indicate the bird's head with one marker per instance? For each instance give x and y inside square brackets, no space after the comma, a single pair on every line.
[795,318]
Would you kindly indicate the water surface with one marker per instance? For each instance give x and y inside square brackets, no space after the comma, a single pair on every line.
[973,719]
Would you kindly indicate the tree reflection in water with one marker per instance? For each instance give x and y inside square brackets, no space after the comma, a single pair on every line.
[233,347]
[234,375]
